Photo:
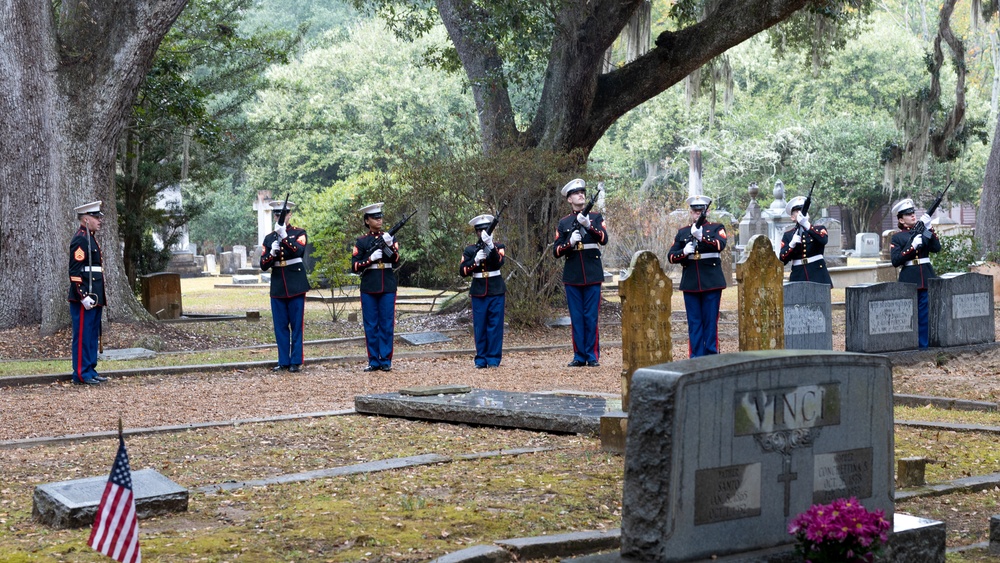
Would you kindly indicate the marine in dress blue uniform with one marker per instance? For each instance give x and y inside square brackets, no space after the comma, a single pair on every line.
[579,240]
[702,279]
[803,246]
[86,294]
[482,261]
[378,287]
[282,253]
[913,259]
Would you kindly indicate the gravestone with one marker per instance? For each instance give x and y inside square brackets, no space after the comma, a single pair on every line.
[210,264]
[881,317]
[420,338]
[885,255]
[724,451]
[254,256]
[808,316]
[753,222]
[228,263]
[73,504]
[161,295]
[835,237]
[866,245]
[645,293]
[761,310]
[241,255]
[961,309]
[126,354]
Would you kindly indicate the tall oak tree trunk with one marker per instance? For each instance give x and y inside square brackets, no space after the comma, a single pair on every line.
[70,74]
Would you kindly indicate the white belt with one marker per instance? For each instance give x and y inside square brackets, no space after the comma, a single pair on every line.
[591,246]
[380,266]
[917,262]
[809,260]
[290,261]
[705,255]
[92,269]
[494,273]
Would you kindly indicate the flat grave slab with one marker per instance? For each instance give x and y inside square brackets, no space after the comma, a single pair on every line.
[126,354]
[419,338]
[559,321]
[72,504]
[428,390]
[531,411]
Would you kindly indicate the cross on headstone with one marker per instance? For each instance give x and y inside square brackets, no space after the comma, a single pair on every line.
[787,477]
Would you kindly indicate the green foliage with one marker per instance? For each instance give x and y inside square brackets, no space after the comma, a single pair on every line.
[958,252]
[228,216]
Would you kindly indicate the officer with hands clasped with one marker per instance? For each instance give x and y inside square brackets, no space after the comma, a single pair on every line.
[282,253]
[482,261]
[378,287]
[910,253]
[696,249]
[86,294]
[578,239]
[803,246]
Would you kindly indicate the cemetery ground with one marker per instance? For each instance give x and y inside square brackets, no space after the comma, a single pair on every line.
[496,483]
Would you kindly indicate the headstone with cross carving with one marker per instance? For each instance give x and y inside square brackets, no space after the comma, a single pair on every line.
[724,451]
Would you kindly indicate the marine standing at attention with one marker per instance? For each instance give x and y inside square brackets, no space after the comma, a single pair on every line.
[579,238]
[86,294]
[696,248]
[282,253]
[482,261]
[910,252]
[803,246]
[378,286]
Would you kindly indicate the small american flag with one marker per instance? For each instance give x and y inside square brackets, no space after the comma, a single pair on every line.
[116,527]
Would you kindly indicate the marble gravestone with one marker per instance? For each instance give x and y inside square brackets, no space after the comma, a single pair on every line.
[808,316]
[961,309]
[881,317]
[866,245]
[724,451]
[73,504]
[228,263]
[645,293]
[761,302]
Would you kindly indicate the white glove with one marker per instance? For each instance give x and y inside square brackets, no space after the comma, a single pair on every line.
[804,221]
[575,237]
[583,220]
[796,240]
[87,302]
[487,239]
[376,255]
[689,248]
[280,229]
[387,238]
[696,232]
[274,248]
[926,220]
[918,241]
[481,256]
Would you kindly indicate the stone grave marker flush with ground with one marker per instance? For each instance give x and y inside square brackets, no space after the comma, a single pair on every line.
[724,451]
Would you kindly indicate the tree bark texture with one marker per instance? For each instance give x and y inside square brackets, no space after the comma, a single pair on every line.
[71,72]
[579,103]
[988,214]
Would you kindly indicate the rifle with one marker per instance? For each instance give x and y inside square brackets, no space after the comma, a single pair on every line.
[283,214]
[493,225]
[586,211]
[380,244]
[919,228]
[702,219]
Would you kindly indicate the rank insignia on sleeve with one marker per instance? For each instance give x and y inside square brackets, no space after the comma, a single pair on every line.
[79,255]
[302,239]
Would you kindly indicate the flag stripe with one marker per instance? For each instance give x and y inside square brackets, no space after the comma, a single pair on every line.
[116,525]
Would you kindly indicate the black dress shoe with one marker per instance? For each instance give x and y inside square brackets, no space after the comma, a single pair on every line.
[279,368]
[481,367]
[576,364]
[385,368]
[294,368]
[371,368]
[100,378]
[86,382]
[594,364]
